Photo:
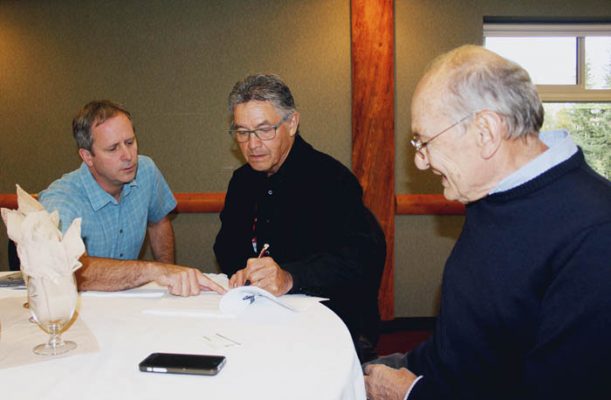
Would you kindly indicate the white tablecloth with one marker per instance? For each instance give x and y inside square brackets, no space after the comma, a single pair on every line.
[304,355]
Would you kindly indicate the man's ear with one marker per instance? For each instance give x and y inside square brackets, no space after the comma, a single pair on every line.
[491,132]
[294,123]
[86,156]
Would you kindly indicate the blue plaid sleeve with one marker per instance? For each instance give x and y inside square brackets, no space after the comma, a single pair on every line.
[162,200]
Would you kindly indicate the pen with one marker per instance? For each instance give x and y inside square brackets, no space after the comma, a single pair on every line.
[263,250]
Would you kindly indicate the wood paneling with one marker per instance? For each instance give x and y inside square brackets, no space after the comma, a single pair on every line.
[8,201]
[373,122]
[187,203]
[195,203]
[427,204]
[199,202]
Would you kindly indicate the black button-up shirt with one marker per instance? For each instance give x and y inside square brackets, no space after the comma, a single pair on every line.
[312,215]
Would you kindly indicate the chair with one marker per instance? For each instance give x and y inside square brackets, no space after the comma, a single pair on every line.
[13,260]
[370,314]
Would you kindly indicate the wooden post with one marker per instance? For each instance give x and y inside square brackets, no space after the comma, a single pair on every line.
[373,122]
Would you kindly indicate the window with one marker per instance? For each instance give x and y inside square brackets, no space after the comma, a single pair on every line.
[570,62]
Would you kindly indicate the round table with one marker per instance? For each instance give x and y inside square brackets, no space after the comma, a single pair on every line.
[299,355]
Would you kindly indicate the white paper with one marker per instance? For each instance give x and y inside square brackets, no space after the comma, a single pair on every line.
[236,300]
[265,307]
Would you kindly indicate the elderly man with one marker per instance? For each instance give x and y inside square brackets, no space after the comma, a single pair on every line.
[526,304]
[119,196]
[303,204]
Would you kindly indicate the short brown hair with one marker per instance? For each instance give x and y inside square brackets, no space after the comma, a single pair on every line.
[93,114]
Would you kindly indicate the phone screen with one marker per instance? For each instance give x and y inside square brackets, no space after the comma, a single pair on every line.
[199,364]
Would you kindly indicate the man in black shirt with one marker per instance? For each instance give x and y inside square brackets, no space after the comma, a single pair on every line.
[305,205]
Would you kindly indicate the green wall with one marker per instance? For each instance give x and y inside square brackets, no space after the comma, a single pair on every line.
[172,63]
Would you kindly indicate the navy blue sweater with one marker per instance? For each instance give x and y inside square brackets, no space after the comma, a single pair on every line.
[526,295]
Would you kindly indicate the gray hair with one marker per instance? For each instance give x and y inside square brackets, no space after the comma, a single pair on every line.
[261,87]
[478,79]
[93,114]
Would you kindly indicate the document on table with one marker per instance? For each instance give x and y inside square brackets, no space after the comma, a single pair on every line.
[238,300]
[206,305]
[246,301]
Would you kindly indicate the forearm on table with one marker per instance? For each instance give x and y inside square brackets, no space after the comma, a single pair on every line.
[107,274]
[161,236]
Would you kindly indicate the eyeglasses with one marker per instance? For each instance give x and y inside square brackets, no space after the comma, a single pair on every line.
[262,133]
[419,145]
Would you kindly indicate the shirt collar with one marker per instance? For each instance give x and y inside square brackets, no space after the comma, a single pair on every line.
[560,148]
[291,160]
[97,196]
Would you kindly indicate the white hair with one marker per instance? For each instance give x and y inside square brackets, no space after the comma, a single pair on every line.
[479,79]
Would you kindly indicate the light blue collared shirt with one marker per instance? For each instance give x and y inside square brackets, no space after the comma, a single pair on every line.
[111,228]
[561,148]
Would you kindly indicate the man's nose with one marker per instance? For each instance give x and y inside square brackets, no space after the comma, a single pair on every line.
[253,140]
[126,153]
[421,161]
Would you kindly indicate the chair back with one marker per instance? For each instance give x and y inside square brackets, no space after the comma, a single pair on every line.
[13,260]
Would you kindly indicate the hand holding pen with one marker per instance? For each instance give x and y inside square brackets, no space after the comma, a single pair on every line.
[265,273]
[263,250]
[239,278]
[261,253]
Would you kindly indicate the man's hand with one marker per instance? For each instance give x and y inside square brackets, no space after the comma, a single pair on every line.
[238,279]
[183,281]
[382,382]
[265,273]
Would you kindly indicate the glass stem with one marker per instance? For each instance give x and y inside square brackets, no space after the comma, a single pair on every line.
[55,337]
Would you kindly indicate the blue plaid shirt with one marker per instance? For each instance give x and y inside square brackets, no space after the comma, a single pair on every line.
[111,228]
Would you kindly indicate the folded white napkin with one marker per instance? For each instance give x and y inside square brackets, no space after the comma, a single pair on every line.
[42,249]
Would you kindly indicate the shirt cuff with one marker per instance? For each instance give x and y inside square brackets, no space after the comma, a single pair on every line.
[411,387]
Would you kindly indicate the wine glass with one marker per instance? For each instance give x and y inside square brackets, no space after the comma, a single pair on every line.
[26,305]
[52,302]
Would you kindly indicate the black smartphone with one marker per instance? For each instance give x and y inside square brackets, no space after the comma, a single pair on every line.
[170,363]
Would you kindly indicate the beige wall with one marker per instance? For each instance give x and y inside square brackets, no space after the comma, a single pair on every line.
[173,63]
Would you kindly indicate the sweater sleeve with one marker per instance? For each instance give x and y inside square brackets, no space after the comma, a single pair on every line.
[571,355]
[424,389]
